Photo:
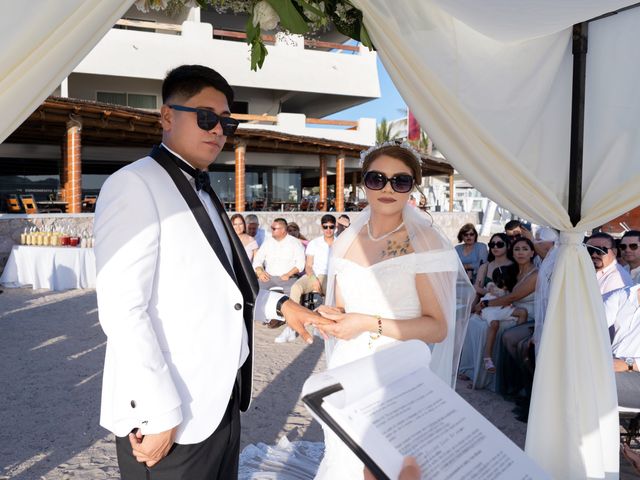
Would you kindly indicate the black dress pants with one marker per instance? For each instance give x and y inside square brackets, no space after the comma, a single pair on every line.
[215,458]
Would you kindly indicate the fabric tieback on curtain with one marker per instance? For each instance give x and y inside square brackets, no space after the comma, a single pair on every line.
[574,325]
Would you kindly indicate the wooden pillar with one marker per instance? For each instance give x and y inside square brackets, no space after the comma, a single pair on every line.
[340,182]
[72,166]
[323,181]
[354,185]
[451,193]
[240,151]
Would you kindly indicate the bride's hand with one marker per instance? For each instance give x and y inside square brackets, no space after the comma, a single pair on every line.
[330,310]
[345,326]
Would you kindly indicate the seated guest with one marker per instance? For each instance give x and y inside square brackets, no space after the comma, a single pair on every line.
[471,252]
[622,309]
[631,253]
[522,296]
[254,230]
[248,242]
[316,267]
[611,276]
[516,372]
[294,230]
[278,261]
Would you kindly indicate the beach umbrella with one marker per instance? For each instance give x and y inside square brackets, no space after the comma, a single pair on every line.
[553,137]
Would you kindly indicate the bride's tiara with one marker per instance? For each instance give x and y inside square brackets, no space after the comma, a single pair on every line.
[391,143]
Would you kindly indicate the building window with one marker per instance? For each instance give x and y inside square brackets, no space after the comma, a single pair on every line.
[134,100]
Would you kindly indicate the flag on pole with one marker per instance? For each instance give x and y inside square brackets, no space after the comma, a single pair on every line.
[413,127]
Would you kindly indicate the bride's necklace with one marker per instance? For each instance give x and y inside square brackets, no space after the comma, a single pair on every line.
[381,237]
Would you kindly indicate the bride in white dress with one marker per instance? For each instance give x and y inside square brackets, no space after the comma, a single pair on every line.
[392,277]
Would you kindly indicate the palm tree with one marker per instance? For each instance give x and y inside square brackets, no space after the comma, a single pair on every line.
[383,132]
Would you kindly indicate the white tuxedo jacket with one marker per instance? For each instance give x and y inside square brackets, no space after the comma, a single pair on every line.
[173,316]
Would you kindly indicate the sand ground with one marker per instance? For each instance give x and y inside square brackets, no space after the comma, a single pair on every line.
[51,353]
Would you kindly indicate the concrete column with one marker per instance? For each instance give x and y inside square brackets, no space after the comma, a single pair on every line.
[72,166]
[340,182]
[323,181]
[451,193]
[240,151]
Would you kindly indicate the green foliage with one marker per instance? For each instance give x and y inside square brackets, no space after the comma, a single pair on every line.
[383,132]
[295,16]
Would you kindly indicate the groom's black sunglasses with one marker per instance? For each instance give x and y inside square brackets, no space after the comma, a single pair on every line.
[401,183]
[207,120]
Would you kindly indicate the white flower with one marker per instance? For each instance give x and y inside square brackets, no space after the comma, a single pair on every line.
[142,6]
[265,15]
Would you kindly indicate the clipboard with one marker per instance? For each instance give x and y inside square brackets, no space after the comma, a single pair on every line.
[314,402]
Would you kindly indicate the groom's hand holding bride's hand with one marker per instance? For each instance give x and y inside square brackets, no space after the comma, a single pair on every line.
[344,326]
[153,447]
[298,317]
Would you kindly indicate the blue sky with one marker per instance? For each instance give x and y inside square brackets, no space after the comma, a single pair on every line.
[387,106]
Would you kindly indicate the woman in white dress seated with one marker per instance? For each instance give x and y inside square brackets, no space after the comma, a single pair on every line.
[392,277]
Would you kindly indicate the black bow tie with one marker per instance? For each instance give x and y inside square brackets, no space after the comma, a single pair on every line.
[202,181]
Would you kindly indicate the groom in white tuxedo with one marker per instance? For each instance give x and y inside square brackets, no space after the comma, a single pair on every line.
[176,297]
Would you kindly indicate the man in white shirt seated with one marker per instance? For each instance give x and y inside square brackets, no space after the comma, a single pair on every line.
[279,260]
[316,268]
[631,253]
[622,309]
[610,274]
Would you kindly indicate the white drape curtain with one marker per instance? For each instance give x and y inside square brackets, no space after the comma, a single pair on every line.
[42,42]
[491,83]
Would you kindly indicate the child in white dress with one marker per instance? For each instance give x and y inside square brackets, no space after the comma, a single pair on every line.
[504,278]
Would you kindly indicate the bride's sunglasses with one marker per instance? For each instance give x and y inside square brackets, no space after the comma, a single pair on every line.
[401,183]
[207,120]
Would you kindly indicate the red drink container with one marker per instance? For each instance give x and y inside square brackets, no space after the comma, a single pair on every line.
[74,241]
[64,240]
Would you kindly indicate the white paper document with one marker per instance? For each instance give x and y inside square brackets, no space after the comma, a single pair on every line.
[392,406]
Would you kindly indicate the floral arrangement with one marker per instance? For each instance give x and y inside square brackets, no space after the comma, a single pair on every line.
[301,17]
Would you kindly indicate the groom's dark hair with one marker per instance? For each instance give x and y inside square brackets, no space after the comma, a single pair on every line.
[186,81]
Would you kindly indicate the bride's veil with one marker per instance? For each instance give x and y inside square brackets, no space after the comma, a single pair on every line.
[445,273]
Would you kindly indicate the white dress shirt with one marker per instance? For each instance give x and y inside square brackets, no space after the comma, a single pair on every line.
[320,250]
[612,278]
[635,273]
[623,313]
[278,257]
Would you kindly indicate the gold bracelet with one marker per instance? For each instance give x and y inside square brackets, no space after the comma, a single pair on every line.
[375,336]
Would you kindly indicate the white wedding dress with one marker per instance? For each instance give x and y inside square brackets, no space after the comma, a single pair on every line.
[387,289]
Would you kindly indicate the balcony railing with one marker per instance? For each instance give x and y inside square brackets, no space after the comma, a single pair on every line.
[273,120]
[233,35]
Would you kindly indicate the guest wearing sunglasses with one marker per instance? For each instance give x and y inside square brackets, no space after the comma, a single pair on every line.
[280,258]
[631,253]
[472,253]
[316,267]
[610,274]
[499,256]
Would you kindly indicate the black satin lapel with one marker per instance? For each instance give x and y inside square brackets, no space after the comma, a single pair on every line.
[196,206]
[239,256]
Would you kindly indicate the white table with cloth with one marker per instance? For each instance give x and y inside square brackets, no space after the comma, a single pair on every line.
[53,268]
